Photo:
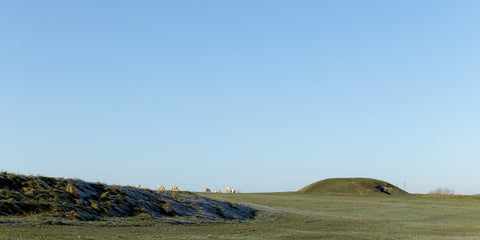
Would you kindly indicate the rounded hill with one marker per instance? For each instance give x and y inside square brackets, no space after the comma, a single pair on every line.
[352,186]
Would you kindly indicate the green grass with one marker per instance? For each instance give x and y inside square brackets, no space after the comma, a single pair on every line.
[352,186]
[306,217]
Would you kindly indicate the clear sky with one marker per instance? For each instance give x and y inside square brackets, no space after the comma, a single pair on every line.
[256,95]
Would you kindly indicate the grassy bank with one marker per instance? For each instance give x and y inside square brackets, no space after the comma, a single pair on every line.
[33,200]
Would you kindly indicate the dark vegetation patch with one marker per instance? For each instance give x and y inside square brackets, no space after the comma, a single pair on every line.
[61,201]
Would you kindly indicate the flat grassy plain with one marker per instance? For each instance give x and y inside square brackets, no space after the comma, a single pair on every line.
[304,217]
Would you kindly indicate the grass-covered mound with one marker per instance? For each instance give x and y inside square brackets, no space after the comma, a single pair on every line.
[73,199]
[352,186]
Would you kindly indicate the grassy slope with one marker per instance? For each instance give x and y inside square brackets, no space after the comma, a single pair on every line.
[351,186]
[307,217]
[70,201]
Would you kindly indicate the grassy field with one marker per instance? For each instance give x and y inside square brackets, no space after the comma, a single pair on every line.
[305,217]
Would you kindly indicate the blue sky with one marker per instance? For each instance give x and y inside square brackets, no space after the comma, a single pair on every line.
[256,95]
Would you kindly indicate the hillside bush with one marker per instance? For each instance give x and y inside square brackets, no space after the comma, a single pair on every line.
[443,191]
